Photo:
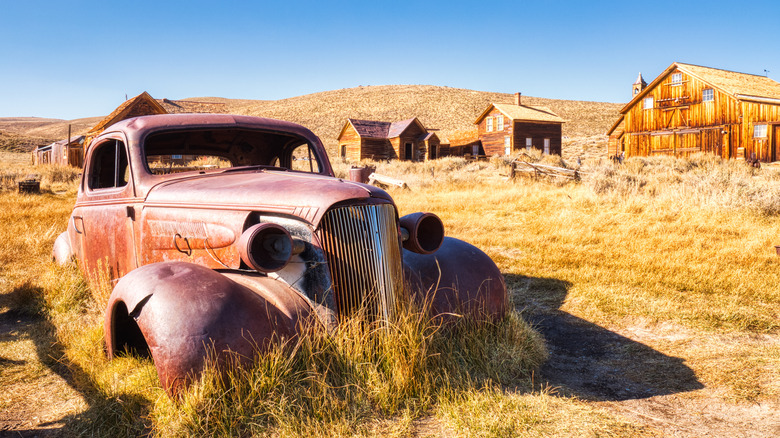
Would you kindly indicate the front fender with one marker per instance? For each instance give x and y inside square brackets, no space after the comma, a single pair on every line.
[185,311]
[457,279]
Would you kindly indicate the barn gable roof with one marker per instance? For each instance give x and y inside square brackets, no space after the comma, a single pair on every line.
[522,113]
[741,86]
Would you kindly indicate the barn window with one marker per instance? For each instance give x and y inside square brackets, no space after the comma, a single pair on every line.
[499,123]
[708,95]
[489,124]
[759,131]
[648,103]
[677,79]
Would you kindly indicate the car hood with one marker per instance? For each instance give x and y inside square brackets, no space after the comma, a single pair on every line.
[307,196]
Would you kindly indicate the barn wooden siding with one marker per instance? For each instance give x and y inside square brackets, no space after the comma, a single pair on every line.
[681,123]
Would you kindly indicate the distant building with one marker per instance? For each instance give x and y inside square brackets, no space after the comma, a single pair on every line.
[141,105]
[506,128]
[67,152]
[690,108]
[404,140]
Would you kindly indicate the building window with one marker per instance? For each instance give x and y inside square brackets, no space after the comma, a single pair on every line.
[677,79]
[708,95]
[489,124]
[648,103]
[507,146]
[499,123]
[528,143]
[547,146]
[759,131]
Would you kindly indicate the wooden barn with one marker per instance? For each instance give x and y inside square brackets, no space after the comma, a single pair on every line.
[690,108]
[141,105]
[507,128]
[404,140]
[68,152]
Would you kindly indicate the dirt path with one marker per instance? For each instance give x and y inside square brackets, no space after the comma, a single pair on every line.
[621,372]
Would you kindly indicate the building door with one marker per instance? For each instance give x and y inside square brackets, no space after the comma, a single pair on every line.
[776,143]
[408,150]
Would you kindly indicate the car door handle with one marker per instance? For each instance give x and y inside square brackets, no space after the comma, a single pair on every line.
[78,220]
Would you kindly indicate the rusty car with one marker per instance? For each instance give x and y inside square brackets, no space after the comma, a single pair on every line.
[224,232]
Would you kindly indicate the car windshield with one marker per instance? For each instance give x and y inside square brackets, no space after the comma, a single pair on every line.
[207,149]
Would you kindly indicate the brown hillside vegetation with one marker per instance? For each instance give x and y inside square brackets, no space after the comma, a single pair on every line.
[443,108]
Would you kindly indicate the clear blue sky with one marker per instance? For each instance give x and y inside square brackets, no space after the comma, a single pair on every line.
[72,59]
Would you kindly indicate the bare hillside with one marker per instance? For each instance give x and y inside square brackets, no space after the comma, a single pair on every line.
[443,108]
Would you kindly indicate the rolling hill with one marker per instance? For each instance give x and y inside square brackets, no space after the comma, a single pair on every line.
[451,110]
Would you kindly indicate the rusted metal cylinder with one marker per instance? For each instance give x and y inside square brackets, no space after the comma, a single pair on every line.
[361,174]
[426,232]
[265,247]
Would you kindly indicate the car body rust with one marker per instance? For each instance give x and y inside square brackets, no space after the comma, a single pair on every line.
[223,232]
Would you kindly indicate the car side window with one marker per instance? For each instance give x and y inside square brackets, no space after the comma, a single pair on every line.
[303,159]
[109,167]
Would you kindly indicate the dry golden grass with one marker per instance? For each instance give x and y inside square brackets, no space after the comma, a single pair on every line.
[678,254]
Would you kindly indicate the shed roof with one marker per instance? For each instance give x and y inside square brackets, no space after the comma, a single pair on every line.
[523,112]
[377,129]
[370,128]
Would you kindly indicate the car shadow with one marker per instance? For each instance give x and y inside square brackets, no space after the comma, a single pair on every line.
[27,323]
[589,361]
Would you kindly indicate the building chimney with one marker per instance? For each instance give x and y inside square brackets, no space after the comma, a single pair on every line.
[517,98]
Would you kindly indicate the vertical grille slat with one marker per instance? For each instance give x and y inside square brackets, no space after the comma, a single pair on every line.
[364,258]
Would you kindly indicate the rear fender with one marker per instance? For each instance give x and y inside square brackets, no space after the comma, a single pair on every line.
[458,279]
[62,253]
[180,313]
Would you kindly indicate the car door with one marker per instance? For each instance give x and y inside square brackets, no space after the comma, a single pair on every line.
[104,215]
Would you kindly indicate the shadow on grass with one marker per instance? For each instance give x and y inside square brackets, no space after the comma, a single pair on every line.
[103,417]
[589,361]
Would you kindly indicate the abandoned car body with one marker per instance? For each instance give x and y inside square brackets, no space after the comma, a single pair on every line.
[225,231]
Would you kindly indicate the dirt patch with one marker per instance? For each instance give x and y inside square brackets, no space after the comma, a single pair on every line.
[36,399]
[626,373]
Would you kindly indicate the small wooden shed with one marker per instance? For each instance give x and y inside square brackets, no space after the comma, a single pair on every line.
[506,128]
[690,108]
[403,140]
[67,152]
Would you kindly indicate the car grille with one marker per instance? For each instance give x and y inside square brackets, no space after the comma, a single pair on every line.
[364,258]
